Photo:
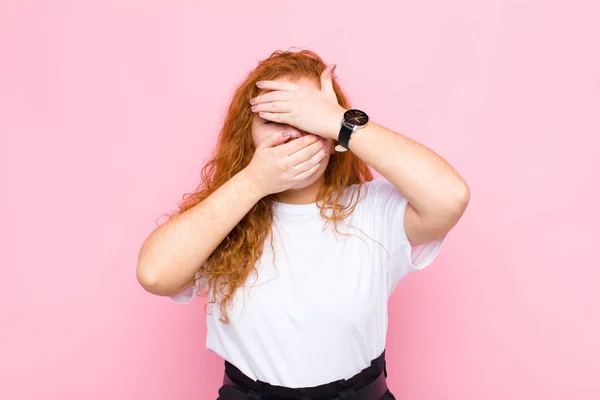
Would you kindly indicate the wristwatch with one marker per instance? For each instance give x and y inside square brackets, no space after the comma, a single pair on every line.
[353,120]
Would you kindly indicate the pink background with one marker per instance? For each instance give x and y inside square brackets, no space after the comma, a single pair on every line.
[108,110]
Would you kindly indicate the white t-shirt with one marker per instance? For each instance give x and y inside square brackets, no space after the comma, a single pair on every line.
[321,313]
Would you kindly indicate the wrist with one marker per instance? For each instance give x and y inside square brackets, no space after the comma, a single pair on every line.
[251,185]
[334,126]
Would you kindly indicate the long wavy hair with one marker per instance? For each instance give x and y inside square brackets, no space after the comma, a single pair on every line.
[230,264]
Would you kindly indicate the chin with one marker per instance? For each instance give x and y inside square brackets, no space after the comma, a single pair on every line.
[302,184]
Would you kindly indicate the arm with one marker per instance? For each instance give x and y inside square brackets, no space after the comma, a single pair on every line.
[437,195]
[173,252]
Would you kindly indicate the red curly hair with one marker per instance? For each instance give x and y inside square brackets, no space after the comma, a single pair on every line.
[229,265]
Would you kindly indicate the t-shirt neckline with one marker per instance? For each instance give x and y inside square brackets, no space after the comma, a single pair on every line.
[287,208]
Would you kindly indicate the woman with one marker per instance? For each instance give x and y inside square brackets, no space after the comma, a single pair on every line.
[296,242]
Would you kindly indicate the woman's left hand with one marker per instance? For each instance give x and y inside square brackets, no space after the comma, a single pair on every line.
[310,110]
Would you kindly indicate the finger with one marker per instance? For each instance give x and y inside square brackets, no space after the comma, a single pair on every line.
[279,85]
[295,135]
[279,117]
[275,140]
[273,107]
[327,79]
[309,167]
[294,146]
[276,95]
[318,149]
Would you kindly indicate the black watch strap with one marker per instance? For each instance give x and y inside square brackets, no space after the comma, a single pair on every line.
[344,135]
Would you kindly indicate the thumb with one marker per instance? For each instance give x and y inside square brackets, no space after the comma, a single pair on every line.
[275,139]
[327,79]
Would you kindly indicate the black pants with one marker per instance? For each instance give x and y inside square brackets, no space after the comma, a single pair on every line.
[237,386]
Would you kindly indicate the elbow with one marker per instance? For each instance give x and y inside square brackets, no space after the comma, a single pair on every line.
[453,207]
[149,271]
[465,195]
[460,198]
[148,275]
[147,278]
[145,273]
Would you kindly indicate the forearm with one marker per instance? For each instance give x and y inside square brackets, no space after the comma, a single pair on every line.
[174,251]
[429,183]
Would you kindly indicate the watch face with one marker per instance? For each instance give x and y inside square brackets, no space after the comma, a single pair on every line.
[356,117]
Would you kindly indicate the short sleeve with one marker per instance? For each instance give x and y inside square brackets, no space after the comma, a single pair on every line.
[387,207]
[189,293]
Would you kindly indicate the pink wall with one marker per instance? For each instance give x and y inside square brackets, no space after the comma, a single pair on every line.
[108,110]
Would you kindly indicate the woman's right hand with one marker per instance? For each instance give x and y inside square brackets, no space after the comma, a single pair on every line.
[277,166]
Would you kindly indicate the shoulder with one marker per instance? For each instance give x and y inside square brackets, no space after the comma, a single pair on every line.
[371,194]
[376,199]
[380,189]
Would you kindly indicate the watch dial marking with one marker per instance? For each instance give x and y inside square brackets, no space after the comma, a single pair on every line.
[356,117]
